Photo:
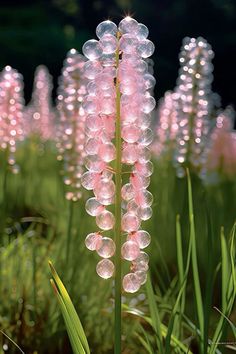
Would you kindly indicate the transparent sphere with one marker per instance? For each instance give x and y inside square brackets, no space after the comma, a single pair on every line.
[91,146]
[105,220]
[128,43]
[130,133]
[106,27]
[142,258]
[130,250]
[92,49]
[148,104]
[128,25]
[146,137]
[144,198]
[145,48]
[130,222]
[93,207]
[142,276]
[149,81]
[104,189]
[105,247]
[131,283]
[129,154]
[142,237]
[127,191]
[105,268]
[89,179]
[107,152]
[142,31]
[108,43]
[92,69]
[91,240]
[145,213]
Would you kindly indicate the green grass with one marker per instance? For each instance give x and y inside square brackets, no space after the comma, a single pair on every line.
[188,304]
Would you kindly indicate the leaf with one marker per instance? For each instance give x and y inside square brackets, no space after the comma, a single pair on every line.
[73,325]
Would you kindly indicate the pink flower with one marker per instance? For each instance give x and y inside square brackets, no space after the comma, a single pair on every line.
[128,83]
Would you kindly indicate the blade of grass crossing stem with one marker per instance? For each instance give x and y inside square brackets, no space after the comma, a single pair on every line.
[231,292]
[225,271]
[180,263]
[197,288]
[182,291]
[72,317]
[154,315]
[74,340]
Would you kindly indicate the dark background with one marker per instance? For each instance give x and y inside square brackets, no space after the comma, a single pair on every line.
[41,32]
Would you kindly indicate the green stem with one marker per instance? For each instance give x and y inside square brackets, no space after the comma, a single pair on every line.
[118,181]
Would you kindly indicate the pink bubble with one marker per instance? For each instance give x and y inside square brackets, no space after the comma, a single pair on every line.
[105,247]
[105,268]
[131,283]
[105,220]
[92,240]
[130,250]
[130,222]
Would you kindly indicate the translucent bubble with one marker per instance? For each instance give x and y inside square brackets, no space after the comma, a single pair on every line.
[106,27]
[142,276]
[143,257]
[93,207]
[92,146]
[131,283]
[89,179]
[132,207]
[143,198]
[139,181]
[105,220]
[105,247]
[92,49]
[144,169]
[107,152]
[144,155]
[108,43]
[145,213]
[105,268]
[128,43]
[130,133]
[130,222]
[94,122]
[142,237]
[148,104]
[92,69]
[129,154]
[91,241]
[142,31]
[127,191]
[146,137]
[95,164]
[149,81]
[128,25]
[145,48]
[107,105]
[130,250]
[104,189]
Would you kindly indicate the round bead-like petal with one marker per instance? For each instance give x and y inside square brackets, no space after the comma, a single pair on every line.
[128,25]
[93,207]
[92,49]
[130,222]
[105,268]
[145,48]
[105,220]
[108,43]
[105,247]
[130,250]
[142,237]
[106,27]
[92,240]
[131,283]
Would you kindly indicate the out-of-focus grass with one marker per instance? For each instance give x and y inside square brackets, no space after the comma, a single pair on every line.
[34,228]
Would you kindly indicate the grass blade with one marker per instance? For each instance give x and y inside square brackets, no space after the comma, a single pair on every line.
[71,318]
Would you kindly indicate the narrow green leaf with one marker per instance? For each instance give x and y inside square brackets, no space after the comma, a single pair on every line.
[70,308]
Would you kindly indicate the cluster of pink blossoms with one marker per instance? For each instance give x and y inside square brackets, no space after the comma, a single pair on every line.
[39,115]
[71,130]
[11,112]
[167,126]
[194,105]
[119,83]
[221,156]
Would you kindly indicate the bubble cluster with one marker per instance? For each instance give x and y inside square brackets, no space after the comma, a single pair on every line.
[167,127]
[71,129]
[11,113]
[118,70]
[39,115]
[221,150]
[194,105]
